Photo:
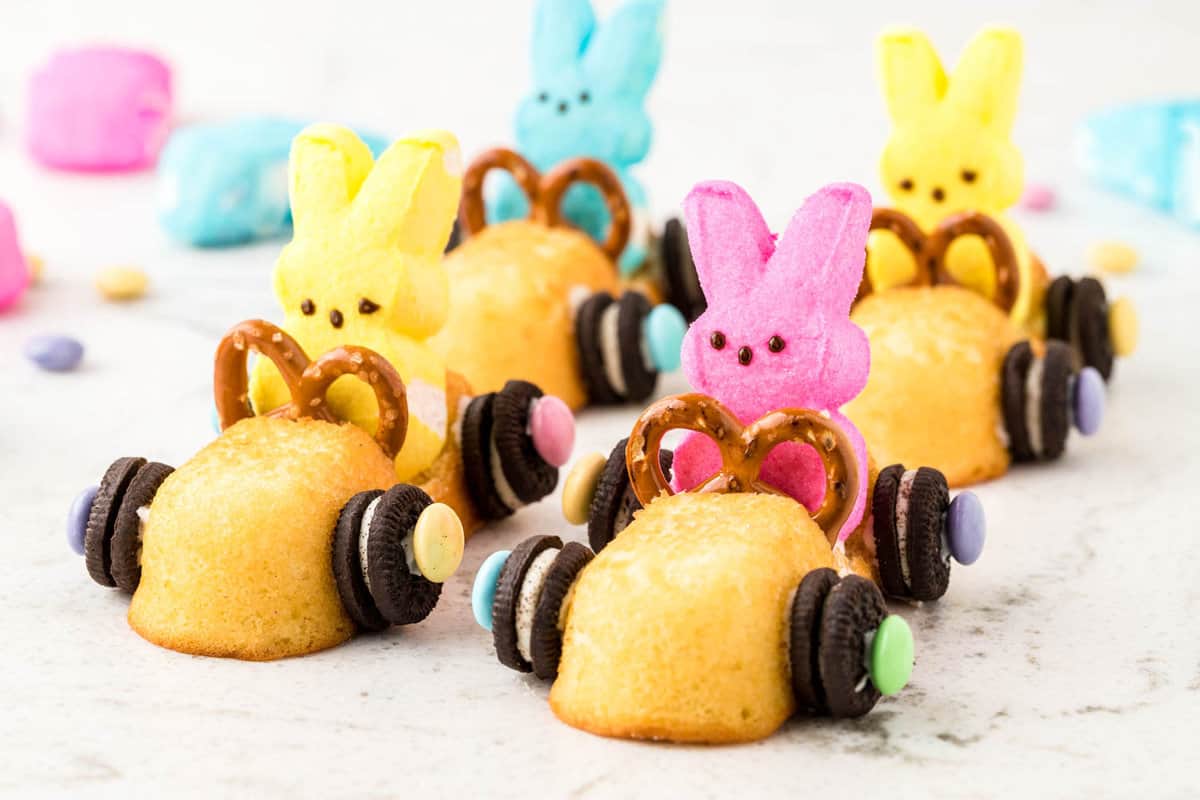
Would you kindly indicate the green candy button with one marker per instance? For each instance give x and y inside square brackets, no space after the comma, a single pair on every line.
[891,655]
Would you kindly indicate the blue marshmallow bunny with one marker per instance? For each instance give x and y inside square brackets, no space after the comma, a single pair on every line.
[588,99]
[226,183]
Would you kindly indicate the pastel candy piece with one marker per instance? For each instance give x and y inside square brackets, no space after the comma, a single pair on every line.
[580,487]
[1038,197]
[54,353]
[483,591]
[664,329]
[1148,152]
[14,271]
[891,656]
[1123,326]
[121,283]
[99,109]
[77,518]
[1088,401]
[1115,257]
[552,428]
[226,183]
[438,542]
[966,528]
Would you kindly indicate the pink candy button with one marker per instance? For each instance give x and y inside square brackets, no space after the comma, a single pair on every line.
[552,428]
[99,109]
[1038,197]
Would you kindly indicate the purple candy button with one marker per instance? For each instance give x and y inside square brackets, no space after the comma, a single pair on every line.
[966,528]
[1089,401]
[54,353]
[77,517]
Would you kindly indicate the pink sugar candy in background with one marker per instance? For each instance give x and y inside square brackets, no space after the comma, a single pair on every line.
[14,271]
[796,292]
[1038,197]
[100,109]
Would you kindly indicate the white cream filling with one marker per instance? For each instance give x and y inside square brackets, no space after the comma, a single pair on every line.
[503,489]
[531,590]
[1033,406]
[868,640]
[902,503]
[427,403]
[577,295]
[610,349]
[364,537]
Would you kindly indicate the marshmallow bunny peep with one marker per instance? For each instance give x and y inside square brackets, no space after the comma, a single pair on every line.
[588,99]
[364,267]
[777,332]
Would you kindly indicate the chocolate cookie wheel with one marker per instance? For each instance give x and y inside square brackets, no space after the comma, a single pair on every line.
[624,344]
[1089,307]
[591,356]
[804,628]
[101,518]
[614,501]
[500,585]
[126,544]
[523,468]
[545,645]
[477,424]
[1041,397]
[682,283]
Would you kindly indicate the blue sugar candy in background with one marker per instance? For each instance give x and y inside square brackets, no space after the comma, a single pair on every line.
[1148,152]
[223,184]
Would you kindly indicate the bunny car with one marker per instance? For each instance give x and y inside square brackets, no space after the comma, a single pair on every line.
[718,612]
[588,100]
[277,539]
[226,183]
[539,301]
[950,157]
[777,334]
[365,268]
[955,383]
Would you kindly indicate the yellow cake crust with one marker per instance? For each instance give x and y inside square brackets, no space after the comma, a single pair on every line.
[236,547]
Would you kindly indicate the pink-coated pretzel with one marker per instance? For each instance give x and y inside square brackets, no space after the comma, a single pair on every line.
[307,382]
[743,450]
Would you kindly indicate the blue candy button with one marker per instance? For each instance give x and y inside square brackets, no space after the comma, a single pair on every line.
[77,517]
[483,591]
[663,330]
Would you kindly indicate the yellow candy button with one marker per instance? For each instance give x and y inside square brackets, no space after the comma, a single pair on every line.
[1123,326]
[1112,257]
[36,267]
[438,542]
[580,487]
[121,283]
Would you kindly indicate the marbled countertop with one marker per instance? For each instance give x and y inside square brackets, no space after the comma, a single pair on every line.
[1065,663]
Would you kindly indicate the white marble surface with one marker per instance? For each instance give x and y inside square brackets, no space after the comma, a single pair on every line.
[1066,663]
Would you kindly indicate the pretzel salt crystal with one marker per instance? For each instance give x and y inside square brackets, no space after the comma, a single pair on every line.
[743,451]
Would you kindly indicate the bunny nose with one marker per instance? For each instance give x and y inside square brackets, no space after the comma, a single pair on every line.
[562,106]
[939,194]
[335,318]
[745,355]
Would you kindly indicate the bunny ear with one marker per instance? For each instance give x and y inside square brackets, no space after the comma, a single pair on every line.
[561,29]
[623,57]
[825,245]
[729,239]
[910,73]
[327,166]
[987,79]
[411,196]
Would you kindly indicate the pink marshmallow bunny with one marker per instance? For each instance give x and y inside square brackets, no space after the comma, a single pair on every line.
[777,332]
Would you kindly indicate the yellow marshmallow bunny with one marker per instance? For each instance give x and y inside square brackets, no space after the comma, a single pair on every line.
[365,266]
[951,152]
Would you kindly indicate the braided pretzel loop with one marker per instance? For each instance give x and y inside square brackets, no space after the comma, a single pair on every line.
[930,251]
[743,450]
[307,382]
[545,193]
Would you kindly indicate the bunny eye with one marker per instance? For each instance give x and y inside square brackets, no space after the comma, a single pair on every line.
[717,340]
[366,306]
[308,307]
[906,184]
[775,344]
[585,97]
[969,175]
[543,97]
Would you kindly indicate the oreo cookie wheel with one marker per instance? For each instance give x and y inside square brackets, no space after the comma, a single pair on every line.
[1079,314]
[518,595]
[681,284]
[845,650]
[598,493]
[918,529]
[391,550]
[513,442]
[623,345]
[1042,396]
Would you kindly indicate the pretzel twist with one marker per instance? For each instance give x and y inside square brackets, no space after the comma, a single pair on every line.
[743,450]
[307,382]
[545,193]
[929,252]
